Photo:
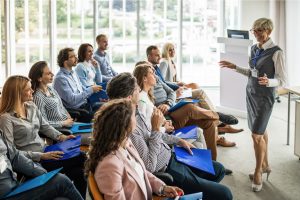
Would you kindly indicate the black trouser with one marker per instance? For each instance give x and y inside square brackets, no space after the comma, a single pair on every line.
[73,168]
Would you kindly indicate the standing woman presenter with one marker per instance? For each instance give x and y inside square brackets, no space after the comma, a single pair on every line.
[266,72]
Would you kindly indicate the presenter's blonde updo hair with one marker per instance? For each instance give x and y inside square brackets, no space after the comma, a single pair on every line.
[263,23]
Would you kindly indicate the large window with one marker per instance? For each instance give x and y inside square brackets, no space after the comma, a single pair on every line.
[33,30]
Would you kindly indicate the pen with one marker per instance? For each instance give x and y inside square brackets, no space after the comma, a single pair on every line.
[177,198]
[73,147]
[179,133]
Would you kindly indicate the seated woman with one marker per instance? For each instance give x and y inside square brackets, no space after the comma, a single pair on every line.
[46,98]
[21,122]
[168,68]
[118,170]
[88,69]
[146,80]
[13,161]
[48,101]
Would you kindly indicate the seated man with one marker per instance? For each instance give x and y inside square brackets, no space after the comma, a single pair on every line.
[153,56]
[157,155]
[103,59]
[68,86]
[11,161]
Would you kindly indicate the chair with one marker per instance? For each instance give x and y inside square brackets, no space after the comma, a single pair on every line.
[81,115]
[93,188]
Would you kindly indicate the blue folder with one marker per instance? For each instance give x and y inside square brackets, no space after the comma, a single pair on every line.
[181,103]
[70,147]
[82,128]
[194,196]
[95,97]
[188,132]
[201,159]
[33,183]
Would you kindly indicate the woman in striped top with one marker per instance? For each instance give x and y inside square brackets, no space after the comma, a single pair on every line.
[46,98]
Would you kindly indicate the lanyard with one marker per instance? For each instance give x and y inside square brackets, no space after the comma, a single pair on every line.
[257,56]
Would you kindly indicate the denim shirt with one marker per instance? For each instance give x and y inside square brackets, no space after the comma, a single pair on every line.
[106,69]
[70,90]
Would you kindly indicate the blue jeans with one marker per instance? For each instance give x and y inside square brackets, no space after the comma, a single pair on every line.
[192,180]
[58,186]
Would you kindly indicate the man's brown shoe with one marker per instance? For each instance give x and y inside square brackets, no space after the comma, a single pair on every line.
[225,143]
[229,129]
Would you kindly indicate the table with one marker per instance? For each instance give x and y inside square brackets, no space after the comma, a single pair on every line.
[291,90]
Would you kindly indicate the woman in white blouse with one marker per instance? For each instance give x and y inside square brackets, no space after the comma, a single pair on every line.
[146,80]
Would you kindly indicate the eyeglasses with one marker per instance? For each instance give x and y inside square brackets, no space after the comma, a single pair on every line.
[259,30]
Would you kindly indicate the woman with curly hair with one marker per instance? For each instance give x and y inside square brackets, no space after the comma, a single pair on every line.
[118,170]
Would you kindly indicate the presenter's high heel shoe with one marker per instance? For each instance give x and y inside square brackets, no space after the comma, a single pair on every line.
[257,187]
[267,171]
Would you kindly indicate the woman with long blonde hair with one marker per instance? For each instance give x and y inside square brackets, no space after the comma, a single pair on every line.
[21,122]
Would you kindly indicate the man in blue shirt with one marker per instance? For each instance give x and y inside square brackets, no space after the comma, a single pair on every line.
[103,59]
[67,83]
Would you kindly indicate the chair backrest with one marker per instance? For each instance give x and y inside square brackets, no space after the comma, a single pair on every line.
[93,188]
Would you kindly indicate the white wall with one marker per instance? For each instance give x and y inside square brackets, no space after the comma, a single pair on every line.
[293,41]
[250,10]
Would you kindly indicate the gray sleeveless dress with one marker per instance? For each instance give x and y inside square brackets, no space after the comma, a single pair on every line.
[260,99]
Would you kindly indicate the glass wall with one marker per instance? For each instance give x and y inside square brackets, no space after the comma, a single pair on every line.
[33,30]
[3,49]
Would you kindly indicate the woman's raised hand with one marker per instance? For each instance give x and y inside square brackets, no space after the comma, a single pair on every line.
[224,63]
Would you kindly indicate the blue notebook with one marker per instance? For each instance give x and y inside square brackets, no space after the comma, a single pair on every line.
[95,97]
[33,183]
[82,128]
[201,159]
[181,103]
[188,132]
[71,148]
[194,196]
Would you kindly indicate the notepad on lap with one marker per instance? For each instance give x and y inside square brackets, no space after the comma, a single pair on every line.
[186,93]
[33,183]
[201,159]
[181,103]
[188,132]
[70,147]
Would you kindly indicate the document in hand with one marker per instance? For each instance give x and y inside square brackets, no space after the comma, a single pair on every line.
[181,103]
[193,196]
[70,147]
[95,97]
[82,128]
[201,159]
[188,132]
[186,93]
[33,183]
